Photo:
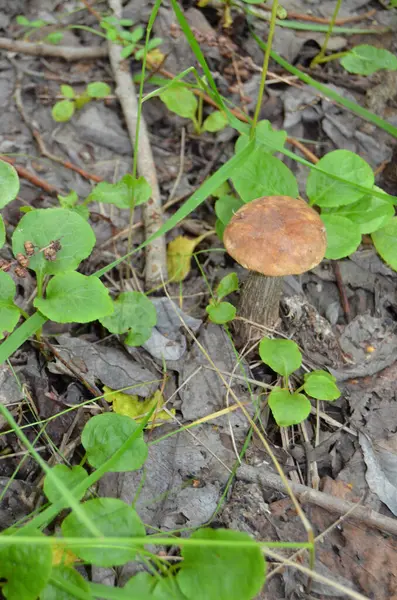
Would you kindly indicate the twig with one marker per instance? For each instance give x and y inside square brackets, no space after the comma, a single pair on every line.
[37,181]
[91,9]
[342,290]
[156,265]
[69,54]
[326,501]
[181,167]
[323,20]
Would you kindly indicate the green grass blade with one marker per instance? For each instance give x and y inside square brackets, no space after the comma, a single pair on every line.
[20,335]
[349,104]
[324,28]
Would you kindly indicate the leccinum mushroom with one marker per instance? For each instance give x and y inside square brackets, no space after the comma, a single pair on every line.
[272,236]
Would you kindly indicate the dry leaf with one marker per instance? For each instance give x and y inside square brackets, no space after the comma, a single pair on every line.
[131,406]
[179,256]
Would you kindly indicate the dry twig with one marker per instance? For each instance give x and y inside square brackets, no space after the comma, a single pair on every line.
[67,53]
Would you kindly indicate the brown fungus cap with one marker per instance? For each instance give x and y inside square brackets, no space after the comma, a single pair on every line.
[276,236]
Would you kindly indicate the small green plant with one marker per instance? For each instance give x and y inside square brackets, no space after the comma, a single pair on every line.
[55,37]
[292,407]
[366,60]
[118,30]
[223,312]
[64,109]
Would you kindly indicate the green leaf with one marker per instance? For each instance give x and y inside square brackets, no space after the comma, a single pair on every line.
[141,586]
[180,100]
[264,175]
[25,569]
[154,43]
[21,20]
[271,139]
[134,314]
[98,89]
[137,34]
[44,225]
[2,232]
[219,229]
[321,385]
[9,183]
[283,356]
[63,111]
[114,518]
[221,313]
[226,207]
[140,190]
[104,434]
[54,38]
[227,285]
[343,236]
[385,242]
[9,312]
[366,59]
[75,298]
[37,23]
[125,193]
[369,213]
[69,200]
[215,121]
[62,577]
[127,51]
[67,91]
[126,22]
[288,409]
[223,572]
[71,477]
[328,192]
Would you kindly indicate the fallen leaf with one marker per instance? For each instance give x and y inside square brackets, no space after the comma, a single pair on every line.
[179,256]
[381,474]
[62,556]
[131,406]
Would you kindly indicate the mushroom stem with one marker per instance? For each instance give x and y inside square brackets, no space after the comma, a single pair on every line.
[260,303]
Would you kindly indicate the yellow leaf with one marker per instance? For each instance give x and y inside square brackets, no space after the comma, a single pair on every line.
[155,57]
[131,406]
[202,3]
[179,256]
[62,556]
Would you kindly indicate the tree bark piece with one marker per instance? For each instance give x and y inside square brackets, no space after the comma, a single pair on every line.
[69,54]
[156,264]
[260,303]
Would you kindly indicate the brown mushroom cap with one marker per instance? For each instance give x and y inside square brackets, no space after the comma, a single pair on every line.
[276,236]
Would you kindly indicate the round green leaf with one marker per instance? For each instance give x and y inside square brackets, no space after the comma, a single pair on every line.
[264,175]
[226,207]
[221,313]
[70,477]
[227,285]
[343,236]
[67,91]
[223,572]
[54,38]
[9,183]
[98,89]
[215,121]
[321,385]
[369,213]
[25,568]
[9,312]
[104,434]
[63,111]
[44,225]
[133,314]
[385,241]
[141,586]
[2,232]
[265,135]
[288,409]
[114,518]
[366,59]
[326,191]
[180,100]
[283,356]
[61,577]
[75,298]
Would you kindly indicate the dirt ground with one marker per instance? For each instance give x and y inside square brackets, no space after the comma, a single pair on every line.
[343,315]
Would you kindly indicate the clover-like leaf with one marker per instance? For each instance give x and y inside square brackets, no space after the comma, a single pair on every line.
[321,385]
[63,111]
[9,183]
[216,121]
[63,578]
[343,236]
[385,242]
[43,226]
[71,477]
[98,89]
[104,434]
[283,356]
[180,100]
[369,213]
[24,569]
[325,191]
[264,175]
[75,298]
[133,314]
[9,311]
[221,572]
[114,518]
[2,232]
[366,59]
[221,312]
[227,285]
[288,409]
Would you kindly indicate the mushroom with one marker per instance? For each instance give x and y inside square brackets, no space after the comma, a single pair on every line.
[272,236]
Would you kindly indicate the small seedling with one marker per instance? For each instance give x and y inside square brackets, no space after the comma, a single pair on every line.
[223,312]
[55,37]
[64,109]
[291,408]
[119,30]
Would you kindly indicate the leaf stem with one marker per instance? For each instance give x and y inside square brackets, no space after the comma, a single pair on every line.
[265,67]
[317,59]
